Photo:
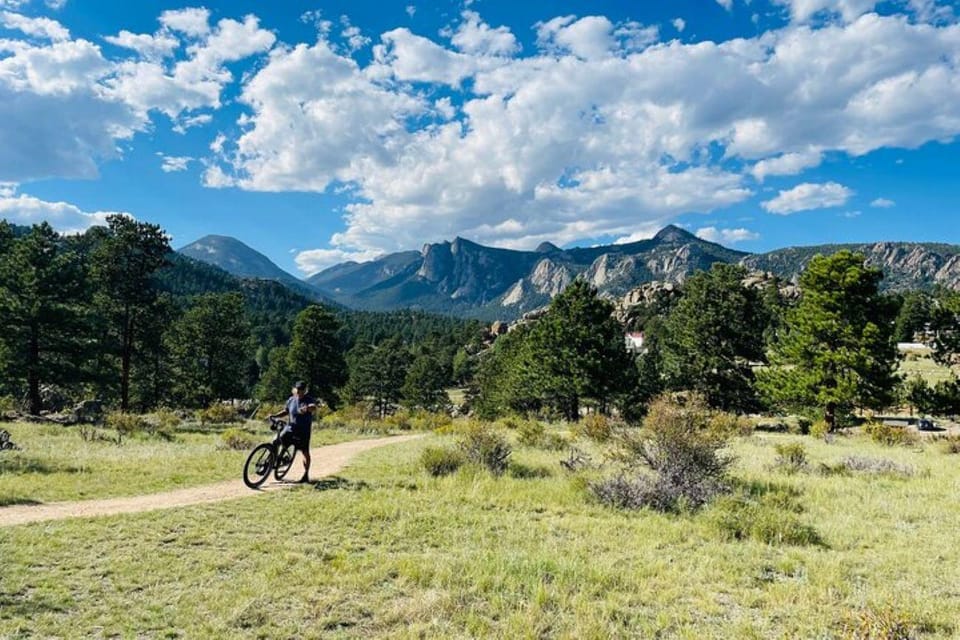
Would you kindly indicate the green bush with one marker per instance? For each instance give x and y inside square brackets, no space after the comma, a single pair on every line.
[530,433]
[440,461]
[482,445]
[219,413]
[861,464]
[791,456]
[597,427]
[888,435]
[165,420]
[820,429]
[770,518]
[237,439]
[523,471]
[729,425]
[7,405]
[126,424]
[684,455]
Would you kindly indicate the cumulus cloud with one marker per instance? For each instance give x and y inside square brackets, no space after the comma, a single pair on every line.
[787,164]
[583,138]
[726,4]
[65,106]
[44,28]
[316,260]
[62,216]
[847,10]
[883,203]
[808,195]
[726,236]
[474,36]
[679,24]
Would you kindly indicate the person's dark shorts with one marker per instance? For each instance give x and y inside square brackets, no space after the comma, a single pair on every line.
[298,437]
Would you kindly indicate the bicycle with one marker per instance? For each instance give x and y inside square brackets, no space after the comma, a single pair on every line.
[276,456]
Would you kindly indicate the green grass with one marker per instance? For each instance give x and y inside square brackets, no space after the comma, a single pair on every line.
[921,364]
[390,552]
[56,464]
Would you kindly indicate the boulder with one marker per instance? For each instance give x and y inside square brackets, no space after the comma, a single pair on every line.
[89,411]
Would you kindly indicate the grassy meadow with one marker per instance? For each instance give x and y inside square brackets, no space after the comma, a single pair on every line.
[57,464]
[387,551]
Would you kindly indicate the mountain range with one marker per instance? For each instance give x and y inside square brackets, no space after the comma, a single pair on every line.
[468,279]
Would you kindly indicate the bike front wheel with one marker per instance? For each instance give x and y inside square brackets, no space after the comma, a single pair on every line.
[259,464]
[284,461]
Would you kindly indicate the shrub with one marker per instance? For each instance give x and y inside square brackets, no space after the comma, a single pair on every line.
[860,464]
[7,405]
[951,444]
[429,421]
[791,456]
[237,439]
[439,461]
[219,413]
[880,624]
[484,446]
[682,452]
[595,426]
[820,429]
[399,420]
[770,518]
[530,433]
[126,424]
[889,435]
[166,420]
[728,425]
[576,460]
[525,471]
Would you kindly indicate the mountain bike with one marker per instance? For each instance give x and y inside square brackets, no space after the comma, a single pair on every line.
[276,456]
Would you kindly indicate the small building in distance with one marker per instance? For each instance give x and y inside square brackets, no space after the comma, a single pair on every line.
[634,341]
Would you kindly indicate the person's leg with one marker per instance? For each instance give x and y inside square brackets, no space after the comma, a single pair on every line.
[306,465]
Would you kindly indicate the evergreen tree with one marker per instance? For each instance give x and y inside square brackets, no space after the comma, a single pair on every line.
[211,348]
[125,263]
[315,354]
[377,373]
[425,384]
[713,334]
[576,351]
[946,327]
[42,311]
[916,311]
[838,350]
[277,379]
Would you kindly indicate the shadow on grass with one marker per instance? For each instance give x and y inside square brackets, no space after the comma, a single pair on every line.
[21,605]
[334,483]
[22,464]
[12,501]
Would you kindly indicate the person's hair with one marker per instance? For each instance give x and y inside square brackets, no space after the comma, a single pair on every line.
[300,385]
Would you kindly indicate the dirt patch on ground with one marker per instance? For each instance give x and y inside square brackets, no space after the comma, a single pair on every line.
[326,461]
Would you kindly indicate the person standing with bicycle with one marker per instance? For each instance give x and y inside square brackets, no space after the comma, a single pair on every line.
[299,410]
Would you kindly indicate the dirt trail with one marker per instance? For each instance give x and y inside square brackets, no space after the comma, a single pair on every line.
[326,461]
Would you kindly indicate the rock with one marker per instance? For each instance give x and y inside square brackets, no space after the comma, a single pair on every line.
[499,328]
[53,398]
[90,411]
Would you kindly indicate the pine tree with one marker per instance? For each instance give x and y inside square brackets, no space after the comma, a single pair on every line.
[211,348]
[42,311]
[124,266]
[315,355]
[377,373]
[837,351]
[425,384]
[713,334]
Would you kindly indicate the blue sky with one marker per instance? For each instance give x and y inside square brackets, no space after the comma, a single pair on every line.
[323,131]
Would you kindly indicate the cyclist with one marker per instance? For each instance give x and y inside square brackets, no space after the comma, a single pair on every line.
[299,411]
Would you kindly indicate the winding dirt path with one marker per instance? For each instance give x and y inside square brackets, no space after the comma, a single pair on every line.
[326,461]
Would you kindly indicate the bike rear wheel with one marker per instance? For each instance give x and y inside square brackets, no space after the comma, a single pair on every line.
[284,461]
[259,464]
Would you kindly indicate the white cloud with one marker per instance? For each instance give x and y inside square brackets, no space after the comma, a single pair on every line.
[883,203]
[726,4]
[62,216]
[411,10]
[474,36]
[151,46]
[175,163]
[808,195]
[316,260]
[787,164]
[679,24]
[806,10]
[193,22]
[588,38]
[190,122]
[7,189]
[726,236]
[44,28]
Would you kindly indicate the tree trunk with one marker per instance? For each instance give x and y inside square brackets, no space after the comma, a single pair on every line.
[125,359]
[33,373]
